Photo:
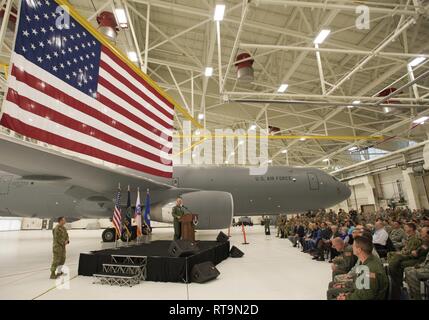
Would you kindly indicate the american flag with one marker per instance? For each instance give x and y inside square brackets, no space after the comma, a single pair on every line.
[117,215]
[69,88]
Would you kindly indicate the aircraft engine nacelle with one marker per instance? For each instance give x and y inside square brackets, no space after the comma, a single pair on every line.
[214,208]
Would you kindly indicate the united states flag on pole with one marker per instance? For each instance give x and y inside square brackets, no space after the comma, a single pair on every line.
[117,215]
[70,88]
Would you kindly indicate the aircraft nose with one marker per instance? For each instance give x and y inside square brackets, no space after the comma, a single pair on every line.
[345,190]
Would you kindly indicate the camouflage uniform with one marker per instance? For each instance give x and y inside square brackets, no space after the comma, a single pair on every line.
[60,239]
[344,262]
[377,287]
[282,227]
[278,224]
[177,213]
[413,276]
[399,261]
[267,222]
[411,243]
[378,282]
[398,238]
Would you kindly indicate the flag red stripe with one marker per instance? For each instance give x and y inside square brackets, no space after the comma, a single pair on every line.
[114,106]
[136,76]
[37,108]
[53,92]
[133,88]
[42,135]
[132,102]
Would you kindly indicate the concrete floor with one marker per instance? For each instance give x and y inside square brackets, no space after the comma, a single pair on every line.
[270,269]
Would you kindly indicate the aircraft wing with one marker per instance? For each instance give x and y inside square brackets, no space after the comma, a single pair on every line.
[36,162]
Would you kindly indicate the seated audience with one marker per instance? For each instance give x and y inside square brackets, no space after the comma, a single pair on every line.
[357,240]
[418,273]
[376,287]
[322,242]
[399,262]
[379,238]
[345,260]
[397,235]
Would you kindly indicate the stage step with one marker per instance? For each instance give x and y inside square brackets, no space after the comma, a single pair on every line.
[126,268]
[120,279]
[123,270]
[133,260]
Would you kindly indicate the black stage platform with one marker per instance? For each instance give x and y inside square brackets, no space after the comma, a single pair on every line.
[160,266]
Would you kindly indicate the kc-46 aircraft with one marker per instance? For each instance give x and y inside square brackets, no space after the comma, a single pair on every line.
[39,182]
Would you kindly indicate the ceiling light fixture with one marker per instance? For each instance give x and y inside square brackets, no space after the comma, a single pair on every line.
[283,88]
[121,17]
[353,103]
[208,72]
[132,55]
[219,12]
[421,120]
[323,34]
[416,61]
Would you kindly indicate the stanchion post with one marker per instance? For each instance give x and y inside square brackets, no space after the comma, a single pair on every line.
[244,233]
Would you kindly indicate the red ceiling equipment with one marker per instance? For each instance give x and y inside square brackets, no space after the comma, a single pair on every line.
[385,93]
[244,68]
[107,25]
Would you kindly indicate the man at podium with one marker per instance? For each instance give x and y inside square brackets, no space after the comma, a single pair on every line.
[178,212]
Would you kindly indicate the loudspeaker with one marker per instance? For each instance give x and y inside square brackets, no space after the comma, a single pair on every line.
[182,248]
[204,272]
[222,237]
[235,252]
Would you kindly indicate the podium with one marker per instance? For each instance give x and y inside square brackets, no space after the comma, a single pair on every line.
[188,227]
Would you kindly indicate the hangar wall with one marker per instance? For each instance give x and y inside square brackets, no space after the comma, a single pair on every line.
[397,177]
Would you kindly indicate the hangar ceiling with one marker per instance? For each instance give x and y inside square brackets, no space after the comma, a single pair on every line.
[179,38]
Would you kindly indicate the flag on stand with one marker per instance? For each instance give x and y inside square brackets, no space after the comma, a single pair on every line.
[138,214]
[117,214]
[69,87]
[147,209]
[127,217]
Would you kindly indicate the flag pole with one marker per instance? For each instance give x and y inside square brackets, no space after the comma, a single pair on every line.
[138,232]
[118,235]
[128,232]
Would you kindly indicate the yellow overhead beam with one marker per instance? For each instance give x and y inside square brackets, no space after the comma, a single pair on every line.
[280,137]
[100,37]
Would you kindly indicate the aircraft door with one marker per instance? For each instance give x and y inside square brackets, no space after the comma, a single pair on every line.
[4,184]
[176,182]
[313,181]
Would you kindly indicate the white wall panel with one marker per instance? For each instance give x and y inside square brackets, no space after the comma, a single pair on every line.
[10,224]
[388,184]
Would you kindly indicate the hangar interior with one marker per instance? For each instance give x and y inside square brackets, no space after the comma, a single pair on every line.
[339,86]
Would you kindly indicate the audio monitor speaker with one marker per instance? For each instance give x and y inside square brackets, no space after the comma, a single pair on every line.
[204,272]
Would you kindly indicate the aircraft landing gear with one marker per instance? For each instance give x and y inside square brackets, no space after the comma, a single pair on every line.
[125,237]
[109,235]
[146,230]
